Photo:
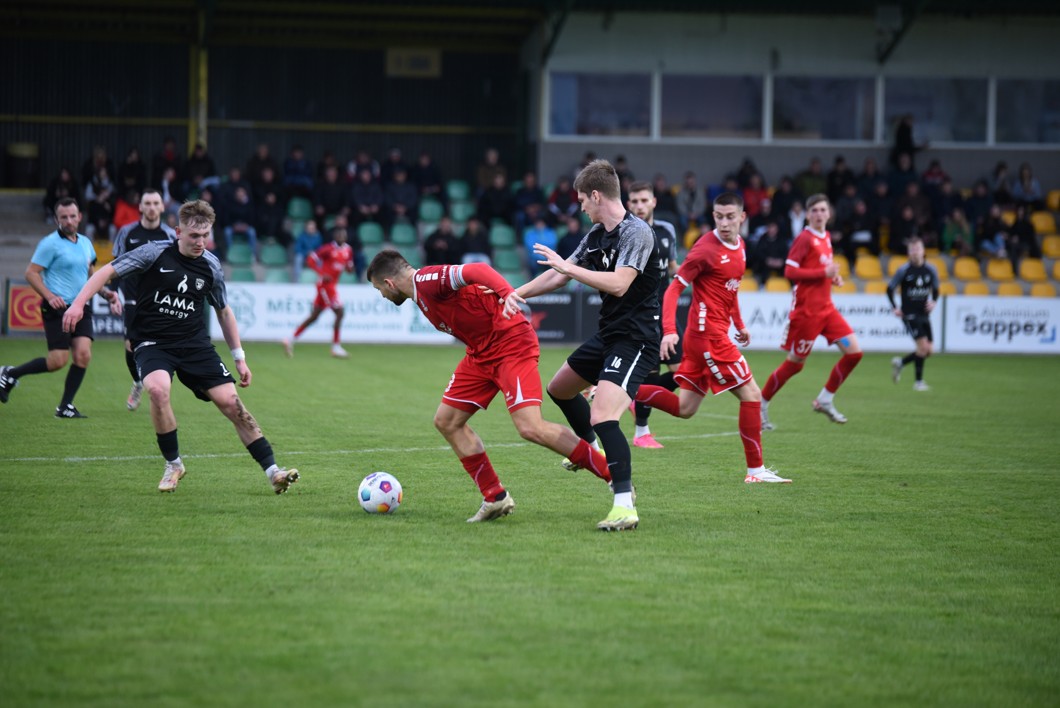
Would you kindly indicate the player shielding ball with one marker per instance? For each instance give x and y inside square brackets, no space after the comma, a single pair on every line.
[811,268]
[919,284]
[466,301]
[711,362]
[329,261]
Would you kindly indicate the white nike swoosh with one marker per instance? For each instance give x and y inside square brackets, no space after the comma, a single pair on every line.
[163,270]
[610,371]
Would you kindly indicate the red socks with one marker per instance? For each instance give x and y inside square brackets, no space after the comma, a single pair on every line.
[659,398]
[589,458]
[751,432]
[778,378]
[482,473]
[840,372]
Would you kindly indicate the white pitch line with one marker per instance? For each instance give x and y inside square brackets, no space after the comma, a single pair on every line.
[324,453]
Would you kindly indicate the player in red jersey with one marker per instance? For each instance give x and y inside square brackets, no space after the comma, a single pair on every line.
[330,261]
[466,301]
[711,361]
[811,269]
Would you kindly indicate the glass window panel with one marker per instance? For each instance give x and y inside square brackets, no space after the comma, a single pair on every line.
[600,104]
[807,108]
[712,106]
[943,110]
[1028,111]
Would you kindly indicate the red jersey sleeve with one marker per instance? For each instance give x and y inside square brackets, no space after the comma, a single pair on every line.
[793,268]
[669,306]
[483,274]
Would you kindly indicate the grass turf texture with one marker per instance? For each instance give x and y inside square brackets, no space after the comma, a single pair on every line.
[912,562]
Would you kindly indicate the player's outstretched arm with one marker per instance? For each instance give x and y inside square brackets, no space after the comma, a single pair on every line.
[76,310]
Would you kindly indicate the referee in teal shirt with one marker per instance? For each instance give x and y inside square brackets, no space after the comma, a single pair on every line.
[60,267]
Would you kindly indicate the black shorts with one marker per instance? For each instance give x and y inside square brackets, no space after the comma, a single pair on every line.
[919,326]
[53,326]
[624,363]
[128,313]
[199,368]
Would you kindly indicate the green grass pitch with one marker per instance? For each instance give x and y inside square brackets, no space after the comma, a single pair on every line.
[914,560]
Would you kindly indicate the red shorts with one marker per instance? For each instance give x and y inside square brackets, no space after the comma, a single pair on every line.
[801,332]
[327,296]
[475,383]
[703,370]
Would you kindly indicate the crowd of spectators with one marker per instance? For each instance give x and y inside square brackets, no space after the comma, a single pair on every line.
[875,208]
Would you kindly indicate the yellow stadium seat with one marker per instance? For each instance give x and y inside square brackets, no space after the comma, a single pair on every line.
[1008,217]
[776,284]
[748,285]
[1052,200]
[966,268]
[1056,271]
[875,287]
[976,287]
[1051,246]
[1043,290]
[894,263]
[947,287]
[1000,269]
[868,268]
[844,265]
[940,266]
[848,286]
[1043,222]
[932,252]
[1033,270]
[1011,289]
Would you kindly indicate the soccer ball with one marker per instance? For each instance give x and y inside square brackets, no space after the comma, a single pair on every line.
[379,493]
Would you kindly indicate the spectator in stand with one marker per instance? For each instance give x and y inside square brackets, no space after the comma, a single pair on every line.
[400,197]
[171,190]
[441,247]
[796,220]
[539,233]
[880,205]
[860,230]
[993,236]
[691,202]
[944,200]
[977,206]
[269,207]
[308,241]
[958,236]
[838,178]
[1027,190]
[922,212]
[367,198]
[569,243]
[563,201]
[622,168]
[1023,241]
[784,196]
[744,174]
[488,170]
[298,174]
[844,204]
[127,209]
[100,197]
[811,180]
[905,142]
[903,227]
[239,219]
[428,179]
[393,164]
[62,185]
[529,203]
[132,175]
[227,190]
[98,159]
[753,195]
[166,158]
[362,162]
[757,226]
[331,196]
[496,202]
[665,204]
[199,169]
[933,177]
[902,174]
[475,245]
[1000,185]
[769,254]
[327,160]
[260,161]
[870,175]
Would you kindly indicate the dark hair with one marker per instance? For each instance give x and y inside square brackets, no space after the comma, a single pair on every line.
[729,199]
[65,202]
[598,176]
[386,264]
[641,186]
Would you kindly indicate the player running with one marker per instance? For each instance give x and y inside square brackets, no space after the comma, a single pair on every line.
[919,283]
[329,261]
[811,269]
[711,362]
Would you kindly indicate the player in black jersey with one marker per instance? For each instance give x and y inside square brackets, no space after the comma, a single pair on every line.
[642,203]
[919,283]
[620,258]
[169,335]
[149,228]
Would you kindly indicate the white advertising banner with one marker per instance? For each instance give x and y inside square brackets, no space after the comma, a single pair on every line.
[871,317]
[270,312]
[1025,325]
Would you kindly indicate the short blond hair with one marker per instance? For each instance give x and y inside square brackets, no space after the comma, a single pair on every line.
[196,214]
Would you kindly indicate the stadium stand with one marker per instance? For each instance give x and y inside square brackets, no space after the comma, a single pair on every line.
[967,268]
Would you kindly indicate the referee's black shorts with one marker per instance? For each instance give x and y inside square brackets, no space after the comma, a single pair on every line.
[53,326]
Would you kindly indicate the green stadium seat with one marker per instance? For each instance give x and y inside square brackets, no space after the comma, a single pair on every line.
[239,254]
[300,209]
[242,275]
[413,256]
[460,212]
[370,233]
[502,236]
[457,189]
[514,277]
[507,259]
[403,234]
[308,275]
[273,254]
[348,278]
[277,275]
[431,209]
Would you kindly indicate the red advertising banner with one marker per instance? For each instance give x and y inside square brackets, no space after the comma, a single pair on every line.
[23,308]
